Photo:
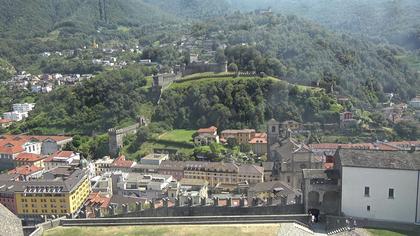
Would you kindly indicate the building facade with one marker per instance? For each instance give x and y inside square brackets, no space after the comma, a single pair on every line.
[206,136]
[57,197]
[380,185]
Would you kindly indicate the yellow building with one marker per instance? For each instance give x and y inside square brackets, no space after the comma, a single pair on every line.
[242,136]
[224,173]
[53,197]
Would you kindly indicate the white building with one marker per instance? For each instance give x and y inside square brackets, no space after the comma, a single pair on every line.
[61,158]
[206,136]
[415,102]
[154,159]
[380,185]
[15,116]
[23,107]
[103,165]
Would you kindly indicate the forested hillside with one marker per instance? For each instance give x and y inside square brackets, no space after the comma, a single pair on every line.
[36,17]
[394,20]
[243,102]
[301,52]
[93,106]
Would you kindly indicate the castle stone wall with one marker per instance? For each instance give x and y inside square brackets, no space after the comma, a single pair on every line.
[194,68]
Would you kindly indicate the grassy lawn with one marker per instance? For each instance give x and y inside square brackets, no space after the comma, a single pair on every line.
[190,81]
[179,139]
[178,135]
[182,230]
[204,74]
[384,232]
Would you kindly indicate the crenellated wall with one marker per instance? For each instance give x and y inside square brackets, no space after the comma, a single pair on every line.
[116,136]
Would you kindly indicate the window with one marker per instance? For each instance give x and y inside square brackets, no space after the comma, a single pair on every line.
[391,193]
[367,191]
[273,129]
[368,208]
[288,179]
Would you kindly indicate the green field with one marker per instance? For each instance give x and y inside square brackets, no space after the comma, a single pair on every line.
[383,232]
[180,139]
[186,83]
[178,135]
[186,230]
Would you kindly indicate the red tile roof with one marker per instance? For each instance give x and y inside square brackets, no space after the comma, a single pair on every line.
[5,121]
[11,149]
[259,138]
[25,170]
[367,146]
[27,138]
[96,199]
[67,154]
[62,154]
[122,162]
[210,130]
[30,157]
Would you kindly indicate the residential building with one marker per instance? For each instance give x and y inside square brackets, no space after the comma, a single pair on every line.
[27,173]
[174,168]
[259,143]
[225,173]
[206,136]
[242,136]
[121,164]
[143,186]
[23,107]
[29,159]
[103,165]
[154,159]
[380,185]
[347,121]
[15,116]
[415,102]
[97,205]
[12,145]
[193,189]
[7,192]
[8,153]
[58,197]
[102,184]
[62,158]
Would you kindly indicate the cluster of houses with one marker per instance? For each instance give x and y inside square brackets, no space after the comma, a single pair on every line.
[20,112]
[256,140]
[356,180]
[44,83]
[43,181]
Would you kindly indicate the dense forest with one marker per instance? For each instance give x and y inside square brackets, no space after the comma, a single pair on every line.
[284,46]
[301,52]
[396,21]
[91,107]
[243,102]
